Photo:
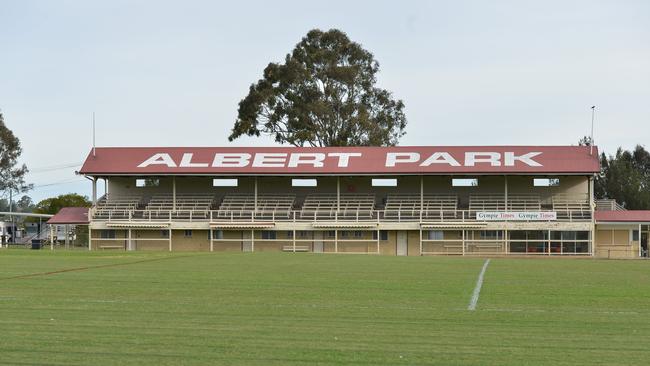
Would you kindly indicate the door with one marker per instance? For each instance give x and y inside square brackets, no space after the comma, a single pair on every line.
[644,245]
[247,242]
[402,243]
[318,241]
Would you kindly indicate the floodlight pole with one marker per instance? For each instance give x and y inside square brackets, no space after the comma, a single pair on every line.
[591,142]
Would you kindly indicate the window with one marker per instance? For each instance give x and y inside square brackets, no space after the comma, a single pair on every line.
[302,234]
[383,235]
[268,235]
[149,182]
[546,182]
[435,235]
[164,233]
[188,233]
[217,234]
[304,182]
[331,234]
[108,234]
[384,182]
[345,234]
[635,235]
[358,234]
[289,234]
[491,234]
[218,182]
[464,182]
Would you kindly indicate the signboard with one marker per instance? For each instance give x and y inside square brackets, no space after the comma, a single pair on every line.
[393,160]
[516,216]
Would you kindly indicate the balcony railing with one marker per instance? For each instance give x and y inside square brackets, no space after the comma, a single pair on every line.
[379,216]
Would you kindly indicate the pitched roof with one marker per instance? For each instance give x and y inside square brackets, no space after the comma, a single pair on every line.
[399,160]
[70,215]
[623,216]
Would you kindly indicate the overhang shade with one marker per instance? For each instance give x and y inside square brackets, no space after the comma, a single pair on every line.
[70,216]
[296,161]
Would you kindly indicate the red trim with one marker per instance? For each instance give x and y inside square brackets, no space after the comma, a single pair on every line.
[623,216]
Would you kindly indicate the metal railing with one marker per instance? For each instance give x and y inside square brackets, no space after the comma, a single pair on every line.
[378,216]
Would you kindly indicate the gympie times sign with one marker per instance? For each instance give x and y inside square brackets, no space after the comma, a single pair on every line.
[516,216]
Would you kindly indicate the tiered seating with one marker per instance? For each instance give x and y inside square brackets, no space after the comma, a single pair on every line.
[268,205]
[116,207]
[187,206]
[408,206]
[486,202]
[524,202]
[351,206]
[571,206]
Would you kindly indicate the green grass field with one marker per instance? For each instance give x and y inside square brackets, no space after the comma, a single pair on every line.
[79,308]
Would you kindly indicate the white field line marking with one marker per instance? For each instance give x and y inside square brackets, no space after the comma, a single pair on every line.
[477,289]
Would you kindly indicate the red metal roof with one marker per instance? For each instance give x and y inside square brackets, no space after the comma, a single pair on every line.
[144,161]
[623,216]
[71,216]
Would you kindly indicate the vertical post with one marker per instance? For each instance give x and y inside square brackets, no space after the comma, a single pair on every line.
[421,199]
[420,242]
[174,193]
[170,238]
[640,235]
[336,241]
[90,238]
[338,194]
[378,232]
[52,237]
[94,191]
[463,242]
[506,241]
[255,198]
[67,236]
[129,245]
[505,194]
[548,240]
[593,216]
[211,237]
[293,237]
[253,231]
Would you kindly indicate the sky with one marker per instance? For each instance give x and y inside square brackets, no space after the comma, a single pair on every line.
[171,73]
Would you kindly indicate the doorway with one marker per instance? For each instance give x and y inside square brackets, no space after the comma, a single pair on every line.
[402,243]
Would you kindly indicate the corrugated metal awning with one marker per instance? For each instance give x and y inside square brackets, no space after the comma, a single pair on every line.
[242,225]
[141,225]
[454,225]
[335,225]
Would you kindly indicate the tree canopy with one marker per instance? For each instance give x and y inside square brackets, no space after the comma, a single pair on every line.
[54,204]
[625,177]
[324,94]
[12,175]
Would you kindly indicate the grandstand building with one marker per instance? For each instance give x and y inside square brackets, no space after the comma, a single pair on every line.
[476,200]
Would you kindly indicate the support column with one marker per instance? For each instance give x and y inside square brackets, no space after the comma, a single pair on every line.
[407,240]
[548,242]
[211,237]
[506,241]
[90,238]
[67,237]
[255,198]
[253,231]
[640,236]
[505,194]
[52,237]
[336,241]
[593,218]
[129,244]
[170,239]
[463,240]
[338,194]
[94,191]
[293,237]
[174,193]
[421,200]
[378,232]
